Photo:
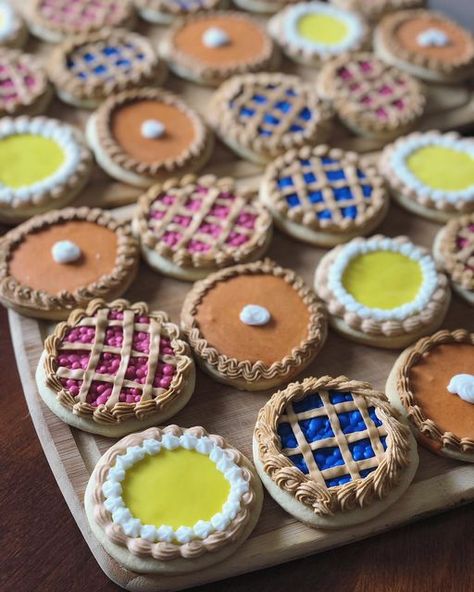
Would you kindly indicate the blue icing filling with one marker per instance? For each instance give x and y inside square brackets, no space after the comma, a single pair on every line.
[351,421]
[339,397]
[316,428]
[298,461]
[349,212]
[361,174]
[285,182]
[287,436]
[367,190]
[293,200]
[109,51]
[304,162]
[373,417]
[316,196]
[336,175]
[283,106]
[269,118]
[341,193]
[361,449]
[294,127]
[364,472]
[324,215]
[383,439]
[329,457]
[101,69]
[247,112]
[305,114]
[309,177]
[312,401]
[335,481]
[259,99]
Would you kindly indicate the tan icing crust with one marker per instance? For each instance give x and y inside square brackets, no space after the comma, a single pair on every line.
[322,500]
[387,30]
[168,551]
[118,412]
[263,61]
[396,184]
[150,70]
[175,8]
[348,102]
[253,371]
[349,161]
[459,263]
[425,425]
[374,9]
[20,295]
[371,326]
[120,157]
[224,120]
[216,256]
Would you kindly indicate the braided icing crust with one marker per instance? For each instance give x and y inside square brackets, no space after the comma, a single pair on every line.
[425,425]
[254,371]
[163,551]
[355,494]
[459,270]
[372,326]
[120,412]
[21,295]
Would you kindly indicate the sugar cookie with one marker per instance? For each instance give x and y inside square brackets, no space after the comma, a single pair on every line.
[163,12]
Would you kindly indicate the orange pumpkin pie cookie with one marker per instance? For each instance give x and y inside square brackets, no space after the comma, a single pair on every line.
[88,69]
[427,44]
[432,383]
[208,48]
[147,135]
[165,11]
[190,227]
[372,10]
[13,32]
[253,326]
[61,260]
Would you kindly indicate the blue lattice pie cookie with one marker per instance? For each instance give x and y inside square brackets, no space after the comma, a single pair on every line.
[332,452]
[88,69]
[261,116]
[324,196]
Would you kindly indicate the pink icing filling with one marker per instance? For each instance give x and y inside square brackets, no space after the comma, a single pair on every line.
[81,13]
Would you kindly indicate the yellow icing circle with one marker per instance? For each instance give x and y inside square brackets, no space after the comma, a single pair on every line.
[174,488]
[383,279]
[442,168]
[26,159]
[322,28]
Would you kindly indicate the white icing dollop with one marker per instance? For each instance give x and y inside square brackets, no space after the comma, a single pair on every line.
[255,315]
[215,37]
[66,251]
[153,129]
[463,386]
[432,38]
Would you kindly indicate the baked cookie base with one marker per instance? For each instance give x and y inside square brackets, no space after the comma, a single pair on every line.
[260,6]
[440,216]
[177,566]
[343,519]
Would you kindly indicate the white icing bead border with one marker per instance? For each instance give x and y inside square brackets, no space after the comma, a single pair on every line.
[133,527]
[400,313]
[47,128]
[403,150]
[351,20]
[9,23]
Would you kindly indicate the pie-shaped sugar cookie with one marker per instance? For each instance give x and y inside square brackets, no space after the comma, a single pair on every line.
[253,326]
[56,20]
[13,32]
[171,501]
[382,291]
[61,260]
[210,47]
[431,174]
[24,86]
[453,250]
[146,135]
[374,9]
[90,68]
[313,32]
[332,452]
[432,383]
[371,98]
[165,11]
[261,116]
[427,44]
[324,196]
[190,227]
[115,368]
[44,164]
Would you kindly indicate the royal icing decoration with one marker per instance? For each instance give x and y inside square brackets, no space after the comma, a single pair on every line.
[23,82]
[215,37]
[153,129]
[66,252]
[432,38]
[253,314]
[463,386]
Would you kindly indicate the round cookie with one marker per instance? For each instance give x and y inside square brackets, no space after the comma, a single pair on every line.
[191,227]
[427,44]
[313,32]
[163,12]
[384,292]
[116,368]
[24,85]
[260,116]
[210,47]
[88,69]
[171,501]
[332,451]
[324,196]
[432,384]
[146,135]
[371,98]
[253,326]
[431,174]
[44,164]
[453,250]
[13,32]
[375,9]
[62,260]
[56,20]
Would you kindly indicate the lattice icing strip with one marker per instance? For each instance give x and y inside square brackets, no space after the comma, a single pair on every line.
[90,12]
[17,82]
